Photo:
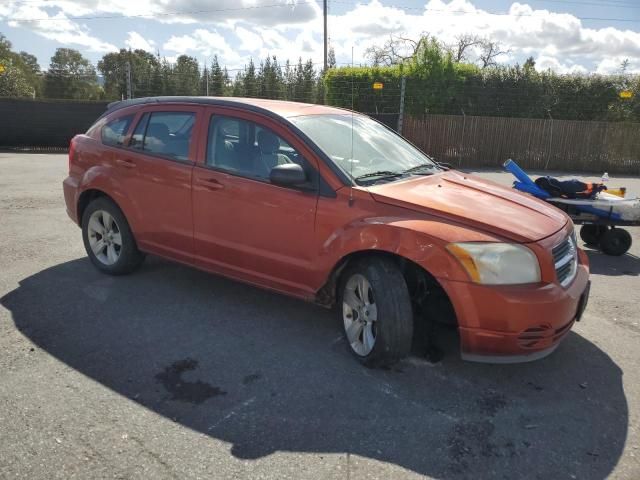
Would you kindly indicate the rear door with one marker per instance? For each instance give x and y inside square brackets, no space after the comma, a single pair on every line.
[156,169]
[243,224]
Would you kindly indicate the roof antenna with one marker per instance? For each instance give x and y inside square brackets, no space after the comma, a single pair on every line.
[351,160]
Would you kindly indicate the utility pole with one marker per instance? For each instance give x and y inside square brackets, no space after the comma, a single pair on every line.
[403,86]
[129,95]
[325,34]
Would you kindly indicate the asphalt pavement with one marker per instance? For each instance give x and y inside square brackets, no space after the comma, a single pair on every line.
[176,373]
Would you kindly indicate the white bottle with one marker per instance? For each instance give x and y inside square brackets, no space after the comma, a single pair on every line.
[605,177]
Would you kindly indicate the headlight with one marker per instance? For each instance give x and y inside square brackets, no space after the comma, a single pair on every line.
[497,263]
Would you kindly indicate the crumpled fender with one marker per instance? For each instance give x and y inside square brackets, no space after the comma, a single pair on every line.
[408,238]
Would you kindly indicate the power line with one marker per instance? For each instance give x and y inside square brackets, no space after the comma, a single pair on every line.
[500,14]
[576,2]
[165,14]
[310,2]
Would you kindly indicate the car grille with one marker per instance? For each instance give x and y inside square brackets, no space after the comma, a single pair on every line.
[565,258]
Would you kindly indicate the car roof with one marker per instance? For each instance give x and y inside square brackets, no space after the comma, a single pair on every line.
[281,108]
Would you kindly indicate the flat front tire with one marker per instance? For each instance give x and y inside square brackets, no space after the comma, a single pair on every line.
[375,310]
[107,238]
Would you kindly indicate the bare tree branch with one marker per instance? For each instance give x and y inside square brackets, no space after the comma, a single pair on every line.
[490,50]
[396,50]
[463,43]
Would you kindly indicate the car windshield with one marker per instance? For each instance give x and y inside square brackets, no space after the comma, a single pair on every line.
[377,154]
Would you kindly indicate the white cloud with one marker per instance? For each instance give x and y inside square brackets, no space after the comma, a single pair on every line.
[238,29]
[205,43]
[55,27]
[560,40]
[259,12]
[614,65]
[249,40]
[544,62]
[136,41]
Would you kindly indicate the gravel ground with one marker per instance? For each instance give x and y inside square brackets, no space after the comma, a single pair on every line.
[174,373]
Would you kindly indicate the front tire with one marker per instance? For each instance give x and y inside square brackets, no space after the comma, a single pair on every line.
[107,238]
[375,309]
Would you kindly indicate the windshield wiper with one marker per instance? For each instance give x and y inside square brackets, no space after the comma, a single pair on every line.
[418,169]
[381,174]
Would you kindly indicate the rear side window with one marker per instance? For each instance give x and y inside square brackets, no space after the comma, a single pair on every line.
[137,139]
[114,131]
[164,133]
[168,134]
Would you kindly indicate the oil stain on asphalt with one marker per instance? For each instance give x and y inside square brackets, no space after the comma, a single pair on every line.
[183,390]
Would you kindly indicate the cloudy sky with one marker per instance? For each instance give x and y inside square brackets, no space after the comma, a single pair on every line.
[564,35]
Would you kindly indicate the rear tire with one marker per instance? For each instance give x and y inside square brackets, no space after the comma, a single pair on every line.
[107,238]
[590,234]
[375,309]
[615,242]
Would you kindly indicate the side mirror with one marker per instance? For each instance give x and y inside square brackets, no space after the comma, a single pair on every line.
[288,175]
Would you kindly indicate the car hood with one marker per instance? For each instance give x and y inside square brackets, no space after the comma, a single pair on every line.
[475,202]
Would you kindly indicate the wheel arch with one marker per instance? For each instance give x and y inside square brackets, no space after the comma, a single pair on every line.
[417,277]
[89,195]
[95,192]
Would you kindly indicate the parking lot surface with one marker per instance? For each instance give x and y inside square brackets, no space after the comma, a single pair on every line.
[175,373]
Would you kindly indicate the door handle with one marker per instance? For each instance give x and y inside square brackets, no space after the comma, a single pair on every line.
[125,163]
[211,183]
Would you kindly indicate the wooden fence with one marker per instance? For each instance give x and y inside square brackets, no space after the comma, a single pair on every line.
[535,144]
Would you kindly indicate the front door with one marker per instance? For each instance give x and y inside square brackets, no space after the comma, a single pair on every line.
[244,225]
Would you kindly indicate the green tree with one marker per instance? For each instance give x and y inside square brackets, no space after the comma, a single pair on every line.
[217,80]
[298,93]
[331,58]
[13,82]
[145,73]
[228,86]
[71,76]
[250,80]
[308,82]
[289,80]
[31,69]
[186,73]
[21,72]
[270,79]
[237,89]
[529,65]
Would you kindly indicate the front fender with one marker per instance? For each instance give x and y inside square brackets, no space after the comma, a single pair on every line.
[392,235]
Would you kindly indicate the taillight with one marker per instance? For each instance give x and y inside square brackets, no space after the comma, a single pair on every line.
[72,151]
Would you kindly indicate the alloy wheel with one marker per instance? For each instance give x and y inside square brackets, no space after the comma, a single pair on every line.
[360,314]
[104,236]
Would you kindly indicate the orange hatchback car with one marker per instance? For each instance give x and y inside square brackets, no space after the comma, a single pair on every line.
[332,207]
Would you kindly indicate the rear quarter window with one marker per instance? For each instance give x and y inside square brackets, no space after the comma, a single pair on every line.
[114,131]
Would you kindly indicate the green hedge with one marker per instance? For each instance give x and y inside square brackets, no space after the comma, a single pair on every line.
[444,87]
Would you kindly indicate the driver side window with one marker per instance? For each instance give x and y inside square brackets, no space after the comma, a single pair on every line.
[247,149]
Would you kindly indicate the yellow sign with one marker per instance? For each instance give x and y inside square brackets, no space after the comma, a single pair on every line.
[378,86]
[626,94]
[1,68]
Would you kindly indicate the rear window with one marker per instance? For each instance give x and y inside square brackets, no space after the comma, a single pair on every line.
[114,131]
